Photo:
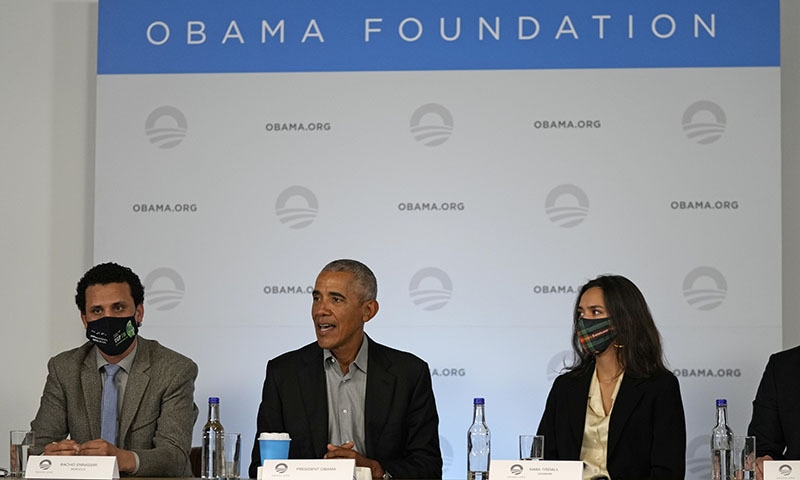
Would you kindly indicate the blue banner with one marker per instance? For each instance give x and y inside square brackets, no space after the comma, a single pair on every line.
[216,36]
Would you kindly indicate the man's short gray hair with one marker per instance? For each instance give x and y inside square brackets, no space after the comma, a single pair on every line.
[363,277]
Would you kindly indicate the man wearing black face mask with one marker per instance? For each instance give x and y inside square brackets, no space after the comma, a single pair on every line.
[118,394]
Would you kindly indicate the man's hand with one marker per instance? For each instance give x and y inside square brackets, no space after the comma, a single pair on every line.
[125,459]
[99,448]
[345,450]
[64,447]
[760,466]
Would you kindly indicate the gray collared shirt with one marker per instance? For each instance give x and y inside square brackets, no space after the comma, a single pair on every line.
[346,397]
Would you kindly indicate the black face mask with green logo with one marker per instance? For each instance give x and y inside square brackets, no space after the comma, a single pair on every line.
[112,335]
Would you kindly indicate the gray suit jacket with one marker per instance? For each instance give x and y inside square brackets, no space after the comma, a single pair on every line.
[158,410]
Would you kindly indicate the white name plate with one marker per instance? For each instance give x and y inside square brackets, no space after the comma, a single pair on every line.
[363,473]
[72,467]
[324,469]
[533,469]
[780,469]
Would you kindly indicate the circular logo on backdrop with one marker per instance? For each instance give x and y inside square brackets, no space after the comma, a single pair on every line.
[165,127]
[164,298]
[567,206]
[438,124]
[704,122]
[297,217]
[697,463]
[701,297]
[430,298]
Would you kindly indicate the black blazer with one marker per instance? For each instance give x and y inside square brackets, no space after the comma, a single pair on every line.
[401,424]
[646,432]
[776,408]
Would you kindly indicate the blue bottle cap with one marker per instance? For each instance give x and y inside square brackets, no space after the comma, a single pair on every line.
[477,401]
[721,402]
[213,400]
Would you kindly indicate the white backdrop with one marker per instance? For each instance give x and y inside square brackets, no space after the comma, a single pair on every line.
[229,184]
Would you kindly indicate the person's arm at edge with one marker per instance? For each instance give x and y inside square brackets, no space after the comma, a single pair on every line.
[50,423]
[422,457]
[172,442]
[765,423]
[547,425]
[668,455]
[266,421]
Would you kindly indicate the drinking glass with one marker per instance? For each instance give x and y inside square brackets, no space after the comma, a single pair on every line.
[232,453]
[744,458]
[531,447]
[21,441]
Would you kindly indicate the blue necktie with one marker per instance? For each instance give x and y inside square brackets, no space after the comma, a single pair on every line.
[108,414]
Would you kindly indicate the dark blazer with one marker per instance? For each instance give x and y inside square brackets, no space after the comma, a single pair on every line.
[646,432]
[158,410]
[776,408]
[401,423]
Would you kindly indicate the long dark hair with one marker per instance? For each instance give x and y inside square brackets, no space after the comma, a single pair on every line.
[638,343]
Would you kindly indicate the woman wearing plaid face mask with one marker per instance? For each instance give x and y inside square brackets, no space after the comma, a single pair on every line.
[617,407]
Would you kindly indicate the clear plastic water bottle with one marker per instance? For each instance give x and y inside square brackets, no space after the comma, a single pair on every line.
[212,463]
[722,445]
[478,444]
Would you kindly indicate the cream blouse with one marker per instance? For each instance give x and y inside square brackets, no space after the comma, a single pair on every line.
[594,449]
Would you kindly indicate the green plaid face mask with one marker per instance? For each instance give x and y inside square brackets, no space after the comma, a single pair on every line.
[595,334]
